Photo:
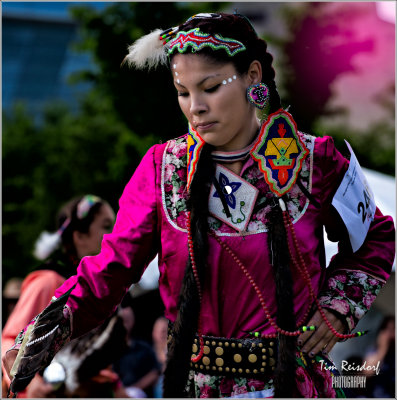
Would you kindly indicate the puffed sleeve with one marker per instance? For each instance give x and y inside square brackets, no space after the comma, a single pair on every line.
[353,279]
[102,280]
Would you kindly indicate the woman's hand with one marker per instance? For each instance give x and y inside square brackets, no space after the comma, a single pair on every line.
[39,388]
[322,339]
[8,360]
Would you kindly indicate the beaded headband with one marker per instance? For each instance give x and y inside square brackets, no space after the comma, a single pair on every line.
[197,40]
[48,242]
[151,50]
[85,204]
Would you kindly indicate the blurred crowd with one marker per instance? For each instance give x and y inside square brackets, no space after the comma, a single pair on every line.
[106,362]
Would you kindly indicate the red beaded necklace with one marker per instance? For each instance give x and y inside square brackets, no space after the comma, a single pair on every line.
[301,266]
[303,270]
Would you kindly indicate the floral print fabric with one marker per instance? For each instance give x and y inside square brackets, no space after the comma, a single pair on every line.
[313,380]
[351,294]
[174,192]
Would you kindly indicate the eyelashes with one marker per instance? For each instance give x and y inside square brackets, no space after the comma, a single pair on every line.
[211,89]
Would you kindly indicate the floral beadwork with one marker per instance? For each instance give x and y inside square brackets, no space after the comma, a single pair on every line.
[351,294]
[225,184]
[174,192]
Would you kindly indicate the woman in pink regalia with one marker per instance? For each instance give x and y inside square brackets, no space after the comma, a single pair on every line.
[235,210]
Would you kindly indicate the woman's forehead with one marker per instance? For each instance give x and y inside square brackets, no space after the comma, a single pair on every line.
[197,62]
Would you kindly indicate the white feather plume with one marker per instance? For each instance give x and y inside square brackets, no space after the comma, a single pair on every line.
[147,52]
[46,244]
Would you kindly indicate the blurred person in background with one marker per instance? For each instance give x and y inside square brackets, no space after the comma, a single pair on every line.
[160,343]
[10,296]
[381,382]
[235,209]
[81,224]
[137,368]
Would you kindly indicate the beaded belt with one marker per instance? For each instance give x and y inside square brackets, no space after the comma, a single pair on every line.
[243,357]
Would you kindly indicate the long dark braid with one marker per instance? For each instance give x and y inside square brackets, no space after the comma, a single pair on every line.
[185,326]
[284,381]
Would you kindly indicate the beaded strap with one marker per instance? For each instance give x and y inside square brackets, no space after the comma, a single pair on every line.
[196,278]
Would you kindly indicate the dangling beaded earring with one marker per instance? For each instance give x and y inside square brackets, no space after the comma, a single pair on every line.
[258,95]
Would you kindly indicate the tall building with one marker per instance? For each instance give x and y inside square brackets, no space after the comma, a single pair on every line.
[38,58]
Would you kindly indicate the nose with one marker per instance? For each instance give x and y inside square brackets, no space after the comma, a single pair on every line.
[198,105]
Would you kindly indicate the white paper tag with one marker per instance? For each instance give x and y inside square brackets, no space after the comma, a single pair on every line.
[354,201]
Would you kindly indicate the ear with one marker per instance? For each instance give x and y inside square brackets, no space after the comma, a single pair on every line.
[254,73]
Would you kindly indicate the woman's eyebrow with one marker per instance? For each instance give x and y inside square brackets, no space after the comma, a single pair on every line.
[201,82]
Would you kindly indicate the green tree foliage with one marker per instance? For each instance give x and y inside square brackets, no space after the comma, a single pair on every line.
[67,155]
[145,101]
[97,149]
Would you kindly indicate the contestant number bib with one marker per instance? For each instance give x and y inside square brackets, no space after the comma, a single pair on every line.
[354,202]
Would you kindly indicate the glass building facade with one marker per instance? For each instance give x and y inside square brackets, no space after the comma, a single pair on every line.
[37,55]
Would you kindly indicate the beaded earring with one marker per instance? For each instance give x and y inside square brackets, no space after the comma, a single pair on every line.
[258,95]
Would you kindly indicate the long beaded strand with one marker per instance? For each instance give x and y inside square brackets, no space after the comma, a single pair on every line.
[301,265]
[258,293]
[196,278]
[303,269]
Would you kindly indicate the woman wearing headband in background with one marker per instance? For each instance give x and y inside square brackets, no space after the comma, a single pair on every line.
[235,210]
[81,222]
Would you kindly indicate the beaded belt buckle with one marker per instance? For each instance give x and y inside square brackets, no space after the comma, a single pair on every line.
[244,357]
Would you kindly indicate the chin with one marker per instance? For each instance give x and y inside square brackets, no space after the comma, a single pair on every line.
[212,139]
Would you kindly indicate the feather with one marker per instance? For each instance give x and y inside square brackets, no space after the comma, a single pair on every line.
[147,52]
[46,244]
[50,331]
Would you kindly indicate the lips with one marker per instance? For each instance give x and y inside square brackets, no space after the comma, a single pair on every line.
[203,126]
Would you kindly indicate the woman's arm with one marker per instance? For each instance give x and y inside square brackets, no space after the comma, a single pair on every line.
[353,279]
[102,280]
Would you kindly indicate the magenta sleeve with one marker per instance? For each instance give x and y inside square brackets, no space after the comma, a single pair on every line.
[102,280]
[374,259]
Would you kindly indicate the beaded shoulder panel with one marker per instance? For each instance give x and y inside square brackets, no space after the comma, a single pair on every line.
[174,191]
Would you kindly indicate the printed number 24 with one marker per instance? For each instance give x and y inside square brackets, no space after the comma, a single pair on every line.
[363,209]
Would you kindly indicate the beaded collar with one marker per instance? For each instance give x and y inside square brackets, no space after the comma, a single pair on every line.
[232,156]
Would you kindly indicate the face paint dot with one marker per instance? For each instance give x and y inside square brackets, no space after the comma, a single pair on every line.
[174,66]
[176,73]
[234,77]
[224,82]
[178,81]
[230,79]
